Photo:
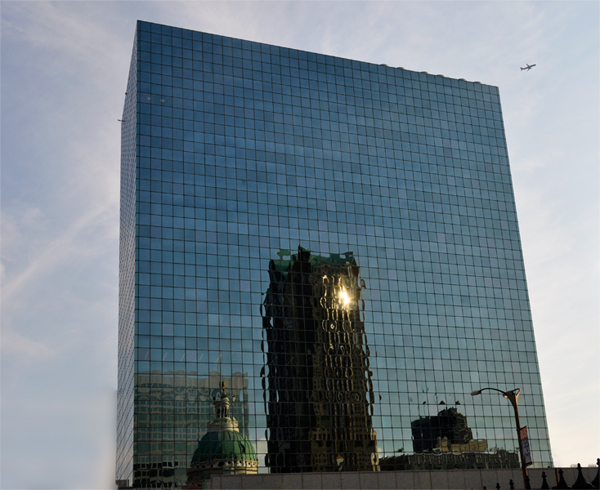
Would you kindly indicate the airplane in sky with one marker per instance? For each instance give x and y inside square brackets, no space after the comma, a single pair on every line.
[528,67]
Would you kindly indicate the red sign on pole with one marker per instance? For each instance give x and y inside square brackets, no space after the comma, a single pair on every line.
[523,433]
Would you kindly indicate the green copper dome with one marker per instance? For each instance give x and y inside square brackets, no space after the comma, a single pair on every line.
[225,445]
[222,450]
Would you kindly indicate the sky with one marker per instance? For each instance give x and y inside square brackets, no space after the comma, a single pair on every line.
[64,68]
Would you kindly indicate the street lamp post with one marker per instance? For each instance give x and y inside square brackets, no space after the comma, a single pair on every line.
[513,397]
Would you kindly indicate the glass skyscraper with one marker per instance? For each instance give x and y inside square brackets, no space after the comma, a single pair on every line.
[335,240]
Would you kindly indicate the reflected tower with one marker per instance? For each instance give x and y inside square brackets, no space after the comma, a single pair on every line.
[319,390]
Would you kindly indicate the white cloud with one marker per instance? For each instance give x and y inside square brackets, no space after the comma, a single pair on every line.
[60,249]
[75,34]
[15,344]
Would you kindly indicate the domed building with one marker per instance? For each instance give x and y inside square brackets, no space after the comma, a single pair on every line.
[222,450]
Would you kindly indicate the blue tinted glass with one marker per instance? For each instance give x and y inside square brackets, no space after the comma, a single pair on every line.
[335,241]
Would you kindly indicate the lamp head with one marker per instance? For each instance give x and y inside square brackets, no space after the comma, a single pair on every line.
[476,392]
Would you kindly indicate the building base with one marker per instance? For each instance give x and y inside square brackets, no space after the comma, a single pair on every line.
[448,479]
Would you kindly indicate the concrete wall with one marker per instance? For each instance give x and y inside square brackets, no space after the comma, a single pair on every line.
[452,479]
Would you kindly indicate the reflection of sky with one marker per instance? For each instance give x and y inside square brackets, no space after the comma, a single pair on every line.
[61,183]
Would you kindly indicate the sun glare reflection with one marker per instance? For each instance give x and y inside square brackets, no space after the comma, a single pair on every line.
[344,297]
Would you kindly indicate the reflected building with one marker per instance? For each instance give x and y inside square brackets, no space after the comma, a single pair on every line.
[172,413]
[448,425]
[234,151]
[467,458]
[445,441]
[222,450]
[319,389]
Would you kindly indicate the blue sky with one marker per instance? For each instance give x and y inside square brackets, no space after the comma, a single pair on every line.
[64,71]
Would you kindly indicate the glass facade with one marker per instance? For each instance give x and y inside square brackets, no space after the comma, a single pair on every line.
[335,240]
